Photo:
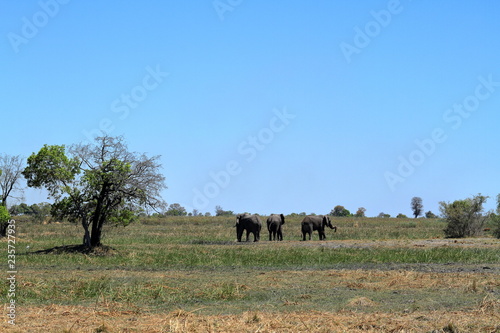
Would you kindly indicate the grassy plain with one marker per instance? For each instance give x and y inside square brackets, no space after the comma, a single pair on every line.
[187,274]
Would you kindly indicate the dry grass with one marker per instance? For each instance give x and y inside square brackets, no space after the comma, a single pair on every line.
[357,314]
[173,276]
[104,318]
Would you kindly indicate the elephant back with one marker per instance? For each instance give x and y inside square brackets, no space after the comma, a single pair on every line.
[313,219]
[248,218]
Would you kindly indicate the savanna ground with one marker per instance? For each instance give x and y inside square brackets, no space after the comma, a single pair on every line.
[188,274]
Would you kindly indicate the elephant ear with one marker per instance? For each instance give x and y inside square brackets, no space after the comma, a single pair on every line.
[282,218]
[325,220]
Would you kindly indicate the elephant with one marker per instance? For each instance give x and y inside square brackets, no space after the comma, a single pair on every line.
[274,223]
[311,223]
[250,223]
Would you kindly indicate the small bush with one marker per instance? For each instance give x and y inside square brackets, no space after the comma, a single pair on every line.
[464,217]
[495,220]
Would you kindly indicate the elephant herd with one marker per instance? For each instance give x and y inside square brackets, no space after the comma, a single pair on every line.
[251,223]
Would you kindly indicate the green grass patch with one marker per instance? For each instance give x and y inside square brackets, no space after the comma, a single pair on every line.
[195,263]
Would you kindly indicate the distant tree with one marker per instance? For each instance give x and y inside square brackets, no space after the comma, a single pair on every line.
[11,171]
[176,209]
[401,216]
[196,212]
[221,212]
[97,183]
[20,209]
[360,212]
[383,215]
[417,206]
[464,217]
[498,204]
[207,214]
[37,211]
[430,215]
[40,211]
[340,211]
[495,219]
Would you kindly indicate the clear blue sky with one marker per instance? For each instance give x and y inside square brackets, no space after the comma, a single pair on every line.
[262,106]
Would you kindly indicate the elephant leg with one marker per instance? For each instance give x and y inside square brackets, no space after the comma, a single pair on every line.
[280,235]
[270,235]
[239,234]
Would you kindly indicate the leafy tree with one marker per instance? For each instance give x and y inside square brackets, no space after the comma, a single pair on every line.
[464,217]
[340,211]
[360,212]
[176,209]
[498,204]
[401,216]
[21,209]
[221,212]
[383,215]
[38,211]
[496,219]
[417,206]
[11,170]
[430,215]
[4,220]
[97,183]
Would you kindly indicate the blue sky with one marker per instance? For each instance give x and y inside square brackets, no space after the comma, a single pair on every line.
[263,107]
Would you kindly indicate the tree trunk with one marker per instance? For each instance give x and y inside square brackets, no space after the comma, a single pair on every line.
[86,236]
[3,229]
[98,218]
[95,238]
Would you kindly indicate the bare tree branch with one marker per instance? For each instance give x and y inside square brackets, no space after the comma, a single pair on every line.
[12,167]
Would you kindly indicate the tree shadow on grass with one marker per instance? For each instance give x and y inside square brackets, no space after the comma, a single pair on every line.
[101,251]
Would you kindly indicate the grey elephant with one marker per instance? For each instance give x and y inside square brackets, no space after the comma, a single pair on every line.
[274,226]
[319,222]
[250,223]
